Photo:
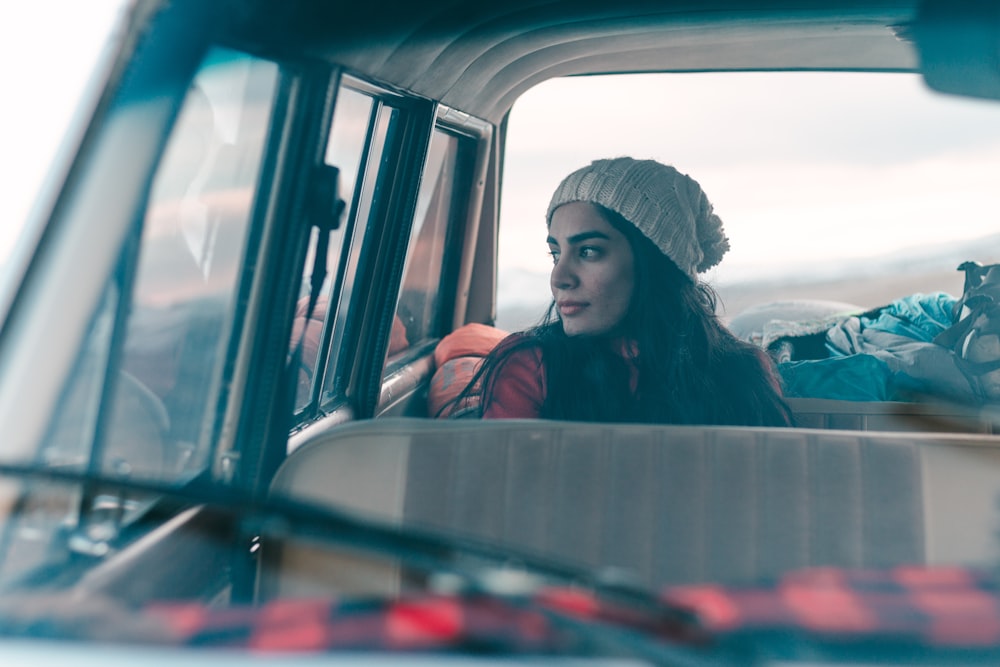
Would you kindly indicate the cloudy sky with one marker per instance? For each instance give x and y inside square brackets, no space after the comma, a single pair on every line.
[805,166]
[48,49]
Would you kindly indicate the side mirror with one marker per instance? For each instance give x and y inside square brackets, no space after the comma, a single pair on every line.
[958,44]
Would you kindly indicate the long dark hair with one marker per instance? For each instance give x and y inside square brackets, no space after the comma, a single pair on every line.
[691,369]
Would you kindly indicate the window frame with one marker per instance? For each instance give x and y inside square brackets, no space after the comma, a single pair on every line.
[403,375]
[378,209]
[454,231]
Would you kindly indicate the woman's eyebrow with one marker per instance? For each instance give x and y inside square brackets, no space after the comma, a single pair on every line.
[582,236]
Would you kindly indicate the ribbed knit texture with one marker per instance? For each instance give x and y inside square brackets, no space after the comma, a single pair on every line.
[667,206]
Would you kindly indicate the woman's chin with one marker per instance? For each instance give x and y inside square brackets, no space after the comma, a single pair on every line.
[573,329]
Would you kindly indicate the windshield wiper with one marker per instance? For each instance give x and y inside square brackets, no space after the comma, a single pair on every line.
[427,550]
[644,626]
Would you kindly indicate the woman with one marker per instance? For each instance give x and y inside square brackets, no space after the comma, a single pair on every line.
[631,335]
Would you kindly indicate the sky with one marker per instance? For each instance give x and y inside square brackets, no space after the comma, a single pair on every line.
[802,167]
[48,51]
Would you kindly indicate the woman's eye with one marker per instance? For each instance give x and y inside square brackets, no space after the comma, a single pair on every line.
[554,254]
[590,252]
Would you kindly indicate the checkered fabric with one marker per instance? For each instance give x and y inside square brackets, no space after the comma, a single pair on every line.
[935,606]
[553,621]
[925,608]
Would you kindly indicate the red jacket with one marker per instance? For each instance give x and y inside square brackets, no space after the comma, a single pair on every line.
[519,387]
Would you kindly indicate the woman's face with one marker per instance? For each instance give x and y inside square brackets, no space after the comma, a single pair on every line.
[593,274]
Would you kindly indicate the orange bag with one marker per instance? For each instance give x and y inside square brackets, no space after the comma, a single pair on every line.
[469,340]
[457,358]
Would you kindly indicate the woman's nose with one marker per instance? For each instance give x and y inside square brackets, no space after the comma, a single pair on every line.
[563,276]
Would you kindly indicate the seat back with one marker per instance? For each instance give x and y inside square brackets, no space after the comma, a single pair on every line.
[670,504]
[888,416]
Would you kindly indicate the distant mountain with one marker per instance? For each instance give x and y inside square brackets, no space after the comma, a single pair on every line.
[917,259]
[522,297]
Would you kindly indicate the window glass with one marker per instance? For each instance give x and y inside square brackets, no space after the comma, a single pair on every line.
[149,413]
[418,306]
[345,150]
[47,512]
[370,196]
[192,250]
[161,413]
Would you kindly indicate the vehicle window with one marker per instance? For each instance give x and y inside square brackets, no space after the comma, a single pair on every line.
[193,246]
[419,306]
[363,138]
[345,150]
[158,419]
[849,201]
[371,195]
[850,187]
[142,402]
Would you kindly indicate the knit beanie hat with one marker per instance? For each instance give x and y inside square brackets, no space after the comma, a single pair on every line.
[668,207]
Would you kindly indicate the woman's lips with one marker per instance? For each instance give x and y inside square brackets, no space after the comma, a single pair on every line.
[570,308]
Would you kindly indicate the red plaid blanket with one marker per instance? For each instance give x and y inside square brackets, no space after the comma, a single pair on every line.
[948,608]
[942,606]
[553,621]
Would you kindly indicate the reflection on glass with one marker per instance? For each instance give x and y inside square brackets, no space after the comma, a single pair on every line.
[417,308]
[157,419]
[189,267]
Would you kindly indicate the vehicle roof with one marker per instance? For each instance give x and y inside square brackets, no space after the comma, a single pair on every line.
[478,57]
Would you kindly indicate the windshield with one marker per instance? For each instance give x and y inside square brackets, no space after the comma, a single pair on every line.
[142,400]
